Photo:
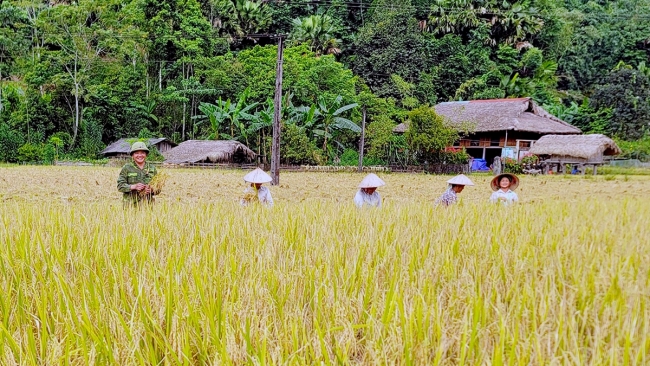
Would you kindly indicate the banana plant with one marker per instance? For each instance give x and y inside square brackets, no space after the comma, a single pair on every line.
[332,119]
[225,110]
[216,115]
[240,115]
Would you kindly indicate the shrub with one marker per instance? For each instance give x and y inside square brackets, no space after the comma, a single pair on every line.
[29,153]
[529,160]
[428,135]
[639,149]
[454,157]
[512,166]
[349,158]
[297,148]
[32,153]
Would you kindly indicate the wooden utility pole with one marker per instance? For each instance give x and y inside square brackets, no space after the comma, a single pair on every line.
[362,143]
[277,113]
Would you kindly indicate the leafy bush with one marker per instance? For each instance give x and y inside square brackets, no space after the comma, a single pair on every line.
[639,149]
[349,158]
[10,141]
[32,153]
[379,135]
[512,166]
[372,161]
[154,154]
[297,148]
[29,153]
[529,160]
[91,139]
[428,135]
[454,157]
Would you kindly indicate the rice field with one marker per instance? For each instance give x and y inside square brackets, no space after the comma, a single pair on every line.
[561,278]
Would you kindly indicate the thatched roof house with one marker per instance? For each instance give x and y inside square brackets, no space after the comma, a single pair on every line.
[501,127]
[401,128]
[583,148]
[210,151]
[122,147]
[518,114]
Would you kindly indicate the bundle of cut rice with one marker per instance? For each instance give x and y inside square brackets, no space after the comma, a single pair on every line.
[157,183]
[250,196]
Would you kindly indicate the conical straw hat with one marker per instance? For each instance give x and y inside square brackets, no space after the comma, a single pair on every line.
[371,181]
[257,176]
[514,181]
[461,179]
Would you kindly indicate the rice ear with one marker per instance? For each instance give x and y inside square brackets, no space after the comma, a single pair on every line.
[157,183]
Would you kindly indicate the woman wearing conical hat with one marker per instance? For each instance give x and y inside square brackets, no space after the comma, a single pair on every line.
[503,186]
[456,185]
[256,192]
[367,194]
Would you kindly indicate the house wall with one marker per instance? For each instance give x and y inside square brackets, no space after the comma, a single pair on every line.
[487,145]
[164,146]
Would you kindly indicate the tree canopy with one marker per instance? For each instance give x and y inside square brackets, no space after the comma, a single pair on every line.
[77,75]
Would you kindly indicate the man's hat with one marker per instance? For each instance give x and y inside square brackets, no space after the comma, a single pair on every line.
[139,146]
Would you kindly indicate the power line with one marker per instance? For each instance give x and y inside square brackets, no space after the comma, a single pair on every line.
[629,13]
[480,11]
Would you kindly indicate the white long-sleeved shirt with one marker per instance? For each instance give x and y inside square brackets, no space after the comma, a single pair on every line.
[505,197]
[362,199]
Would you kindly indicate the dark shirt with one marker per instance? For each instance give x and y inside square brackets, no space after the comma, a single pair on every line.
[131,174]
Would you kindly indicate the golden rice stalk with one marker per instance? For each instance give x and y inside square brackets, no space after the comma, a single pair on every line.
[250,196]
[157,182]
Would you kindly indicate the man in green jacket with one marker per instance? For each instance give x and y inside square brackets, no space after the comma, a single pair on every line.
[135,176]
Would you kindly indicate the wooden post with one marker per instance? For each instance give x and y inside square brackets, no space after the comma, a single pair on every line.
[363,136]
[277,105]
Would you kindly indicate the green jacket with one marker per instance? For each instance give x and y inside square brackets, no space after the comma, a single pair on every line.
[131,174]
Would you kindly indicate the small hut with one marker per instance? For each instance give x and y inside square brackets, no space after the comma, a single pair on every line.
[210,152]
[577,150]
[122,147]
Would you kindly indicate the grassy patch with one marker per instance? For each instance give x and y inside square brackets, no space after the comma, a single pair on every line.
[616,170]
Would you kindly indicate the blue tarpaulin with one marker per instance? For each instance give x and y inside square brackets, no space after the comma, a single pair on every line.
[479,165]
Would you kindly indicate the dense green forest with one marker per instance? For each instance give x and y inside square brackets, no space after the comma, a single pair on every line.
[77,75]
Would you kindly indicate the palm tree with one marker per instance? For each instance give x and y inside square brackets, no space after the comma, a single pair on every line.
[219,12]
[318,31]
[252,16]
[505,21]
